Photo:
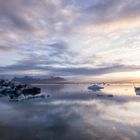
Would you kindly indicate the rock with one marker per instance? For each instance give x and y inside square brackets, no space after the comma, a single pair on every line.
[48,95]
[110,95]
[9,88]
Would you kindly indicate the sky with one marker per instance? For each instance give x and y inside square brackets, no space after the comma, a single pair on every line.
[76,39]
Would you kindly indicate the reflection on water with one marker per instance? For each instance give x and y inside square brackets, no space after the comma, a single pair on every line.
[73,112]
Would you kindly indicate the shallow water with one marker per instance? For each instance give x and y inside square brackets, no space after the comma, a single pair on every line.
[72,112]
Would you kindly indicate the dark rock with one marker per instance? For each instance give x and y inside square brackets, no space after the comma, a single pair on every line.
[9,88]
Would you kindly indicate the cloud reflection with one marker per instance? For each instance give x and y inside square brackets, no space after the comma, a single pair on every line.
[80,117]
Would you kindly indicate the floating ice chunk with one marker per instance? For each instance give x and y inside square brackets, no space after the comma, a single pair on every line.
[95,87]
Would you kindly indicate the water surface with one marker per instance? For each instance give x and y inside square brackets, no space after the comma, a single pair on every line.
[73,112]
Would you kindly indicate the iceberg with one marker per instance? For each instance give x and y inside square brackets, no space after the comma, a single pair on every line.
[95,87]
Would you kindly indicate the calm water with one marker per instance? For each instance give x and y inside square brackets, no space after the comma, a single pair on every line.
[72,112]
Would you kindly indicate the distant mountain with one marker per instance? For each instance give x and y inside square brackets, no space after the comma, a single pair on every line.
[31,80]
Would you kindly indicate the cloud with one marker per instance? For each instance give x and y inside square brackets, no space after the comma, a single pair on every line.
[66,71]
[14,12]
[5,48]
[95,71]
[65,15]
[61,45]
[108,10]
[53,35]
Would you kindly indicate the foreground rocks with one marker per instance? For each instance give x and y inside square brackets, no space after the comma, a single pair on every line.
[15,90]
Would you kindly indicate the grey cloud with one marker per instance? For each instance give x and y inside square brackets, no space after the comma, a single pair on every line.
[56,52]
[100,12]
[59,45]
[71,70]
[51,13]
[96,71]
[5,48]
[112,10]
[14,11]
[58,48]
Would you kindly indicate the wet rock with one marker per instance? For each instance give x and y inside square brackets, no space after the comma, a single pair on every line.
[14,90]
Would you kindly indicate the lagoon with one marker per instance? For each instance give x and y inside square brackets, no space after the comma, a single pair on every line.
[73,112]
